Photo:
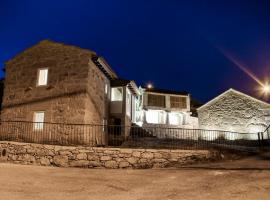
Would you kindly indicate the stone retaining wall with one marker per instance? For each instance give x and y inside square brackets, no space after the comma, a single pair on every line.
[98,157]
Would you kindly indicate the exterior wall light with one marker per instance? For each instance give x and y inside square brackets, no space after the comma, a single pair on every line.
[149,86]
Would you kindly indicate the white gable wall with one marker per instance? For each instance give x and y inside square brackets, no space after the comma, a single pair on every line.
[235,111]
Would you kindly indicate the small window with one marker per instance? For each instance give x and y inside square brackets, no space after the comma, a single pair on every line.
[39,120]
[106,88]
[42,77]
[117,94]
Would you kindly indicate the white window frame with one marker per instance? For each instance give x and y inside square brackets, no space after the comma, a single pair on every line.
[38,125]
[46,78]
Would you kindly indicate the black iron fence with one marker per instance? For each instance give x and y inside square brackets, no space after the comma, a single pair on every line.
[53,133]
[128,136]
[264,137]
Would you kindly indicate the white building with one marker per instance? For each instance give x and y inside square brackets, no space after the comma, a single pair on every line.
[165,108]
[236,112]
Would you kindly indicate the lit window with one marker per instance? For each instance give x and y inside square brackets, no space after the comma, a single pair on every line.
[175,119]
[155,117]
[117,94]
[42,77]
[39,120]
[106,88]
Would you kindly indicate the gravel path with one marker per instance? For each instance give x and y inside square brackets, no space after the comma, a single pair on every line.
[49,183]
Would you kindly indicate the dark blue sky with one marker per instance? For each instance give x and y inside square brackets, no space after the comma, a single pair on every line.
[172,43]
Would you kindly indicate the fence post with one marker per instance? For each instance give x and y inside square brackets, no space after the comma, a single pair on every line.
[262,139]
[259,139]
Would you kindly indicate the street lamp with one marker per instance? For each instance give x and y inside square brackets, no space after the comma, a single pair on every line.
[149,86]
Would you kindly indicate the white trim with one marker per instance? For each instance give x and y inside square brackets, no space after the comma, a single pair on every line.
[135,87]
[231,90]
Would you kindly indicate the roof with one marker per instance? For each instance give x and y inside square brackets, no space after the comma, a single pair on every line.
[119,82]
[98,61]
[49,42]
[164,91]
[129,83]
[234,91]
[101,63]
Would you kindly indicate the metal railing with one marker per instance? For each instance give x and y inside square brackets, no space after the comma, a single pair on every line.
[53,133]
[125,136]
[264,137]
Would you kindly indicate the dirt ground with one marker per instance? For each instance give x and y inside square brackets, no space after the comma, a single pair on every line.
[49,183]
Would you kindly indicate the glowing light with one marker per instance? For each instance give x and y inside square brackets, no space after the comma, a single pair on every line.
[152,116]
[155,116]
[266,89]
[241,66]
[175,118]
[149,86]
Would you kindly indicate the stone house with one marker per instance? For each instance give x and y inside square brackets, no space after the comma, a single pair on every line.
[165,108]
[234,111]
[58,83]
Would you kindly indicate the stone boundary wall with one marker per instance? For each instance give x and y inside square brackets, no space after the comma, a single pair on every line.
[98,157]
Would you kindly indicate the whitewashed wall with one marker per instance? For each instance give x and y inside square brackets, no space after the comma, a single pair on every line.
[235,111]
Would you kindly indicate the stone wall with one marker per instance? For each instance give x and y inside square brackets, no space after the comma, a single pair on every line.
[92,157]
[64,109]
[68,72]
[235,112]
[67,97]
[75,93]
[97,103]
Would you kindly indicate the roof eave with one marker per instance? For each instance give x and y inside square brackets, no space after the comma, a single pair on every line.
[104,67]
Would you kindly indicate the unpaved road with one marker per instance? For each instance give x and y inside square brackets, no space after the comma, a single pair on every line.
[49,183]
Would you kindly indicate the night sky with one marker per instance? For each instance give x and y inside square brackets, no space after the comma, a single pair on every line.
[174,44]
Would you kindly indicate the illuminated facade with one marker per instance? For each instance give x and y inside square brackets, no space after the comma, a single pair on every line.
[236,112]
[57,83]
[165,108]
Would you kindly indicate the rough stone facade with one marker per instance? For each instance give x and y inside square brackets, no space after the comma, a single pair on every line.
[235,111]
[74,93]
[92,157]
